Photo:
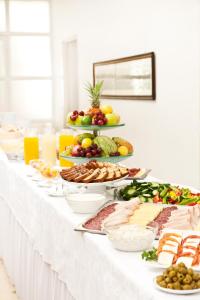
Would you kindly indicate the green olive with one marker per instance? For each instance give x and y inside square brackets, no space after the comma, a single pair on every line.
[183,270]
[172,274]
[190,271]
[193,285]
[165,274]
[163,284]
[195,276]
[168,280]
[177,285]
[170,286]
[187,279]
[174,279]
[180,276]
[186,287]
[170,269]
[159,278]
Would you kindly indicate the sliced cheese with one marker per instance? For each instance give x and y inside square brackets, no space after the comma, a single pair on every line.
[165,258]
[186,260]
[145,214]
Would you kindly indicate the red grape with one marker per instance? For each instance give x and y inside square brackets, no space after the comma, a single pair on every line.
[75,112]
[100,122]
[81,113]
[94,152]
[88,155]
[73,117]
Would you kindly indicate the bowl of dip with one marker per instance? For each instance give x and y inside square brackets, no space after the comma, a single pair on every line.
[131,237]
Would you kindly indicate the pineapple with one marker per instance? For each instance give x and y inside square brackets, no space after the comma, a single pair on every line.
[94,94]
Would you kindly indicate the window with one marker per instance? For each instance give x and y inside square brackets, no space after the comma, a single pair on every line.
[25,58]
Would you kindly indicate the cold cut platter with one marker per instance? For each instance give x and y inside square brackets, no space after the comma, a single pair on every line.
[161,216]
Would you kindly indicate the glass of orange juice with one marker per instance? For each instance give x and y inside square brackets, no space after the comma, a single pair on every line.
[65,139]
[31,146]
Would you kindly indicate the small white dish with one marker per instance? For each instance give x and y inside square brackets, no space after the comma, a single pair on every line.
[85,203]
[36,178]
[44,184]
[177,292]
[56,192]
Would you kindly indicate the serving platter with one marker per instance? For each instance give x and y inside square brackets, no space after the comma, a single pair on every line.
[95,184]
[142,174]
[95,127]
[177,292]
[81,160]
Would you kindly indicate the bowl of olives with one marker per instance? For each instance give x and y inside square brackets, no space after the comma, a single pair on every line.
[178,279]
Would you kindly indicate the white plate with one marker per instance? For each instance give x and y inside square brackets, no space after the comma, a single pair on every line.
[177,292]
[156,265]
[105,183]
[56,193]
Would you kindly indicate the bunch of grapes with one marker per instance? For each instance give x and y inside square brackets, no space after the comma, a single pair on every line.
[115,154]
[99,119]
[75,115]
[92,151]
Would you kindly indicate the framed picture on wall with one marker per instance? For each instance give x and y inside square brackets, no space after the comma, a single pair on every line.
[131,78]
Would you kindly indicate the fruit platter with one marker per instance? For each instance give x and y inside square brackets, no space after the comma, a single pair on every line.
[101,148]
[91,146]
[94,173]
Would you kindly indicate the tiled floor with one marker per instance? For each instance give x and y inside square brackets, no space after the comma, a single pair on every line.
[7,291]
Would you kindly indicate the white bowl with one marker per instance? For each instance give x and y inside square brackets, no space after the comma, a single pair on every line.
[85,203]
[131,237]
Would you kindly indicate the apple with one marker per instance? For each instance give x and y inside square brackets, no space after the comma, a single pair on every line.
[86,120]
[78,120]
[106,109]
[112,119]
[76,149]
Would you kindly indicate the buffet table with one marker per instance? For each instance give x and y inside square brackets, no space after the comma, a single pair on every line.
[46,259]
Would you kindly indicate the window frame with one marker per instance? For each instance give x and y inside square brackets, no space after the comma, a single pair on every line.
[8,78]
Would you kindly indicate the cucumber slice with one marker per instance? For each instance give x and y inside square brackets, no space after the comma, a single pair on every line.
[131,191]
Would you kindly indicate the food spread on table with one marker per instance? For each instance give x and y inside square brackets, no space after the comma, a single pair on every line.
[144,211]
[159,193]
[94,172]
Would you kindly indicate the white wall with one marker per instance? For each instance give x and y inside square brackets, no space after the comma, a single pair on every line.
[165,132]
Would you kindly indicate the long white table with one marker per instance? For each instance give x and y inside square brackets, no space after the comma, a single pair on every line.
[47,260]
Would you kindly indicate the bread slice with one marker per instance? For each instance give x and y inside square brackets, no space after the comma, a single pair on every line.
[117,174]
[92,176]
[82,175]
[102,175]
[123,171]
[110,176]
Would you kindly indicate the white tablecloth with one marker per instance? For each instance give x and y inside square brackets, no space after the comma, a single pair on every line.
[81,265]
